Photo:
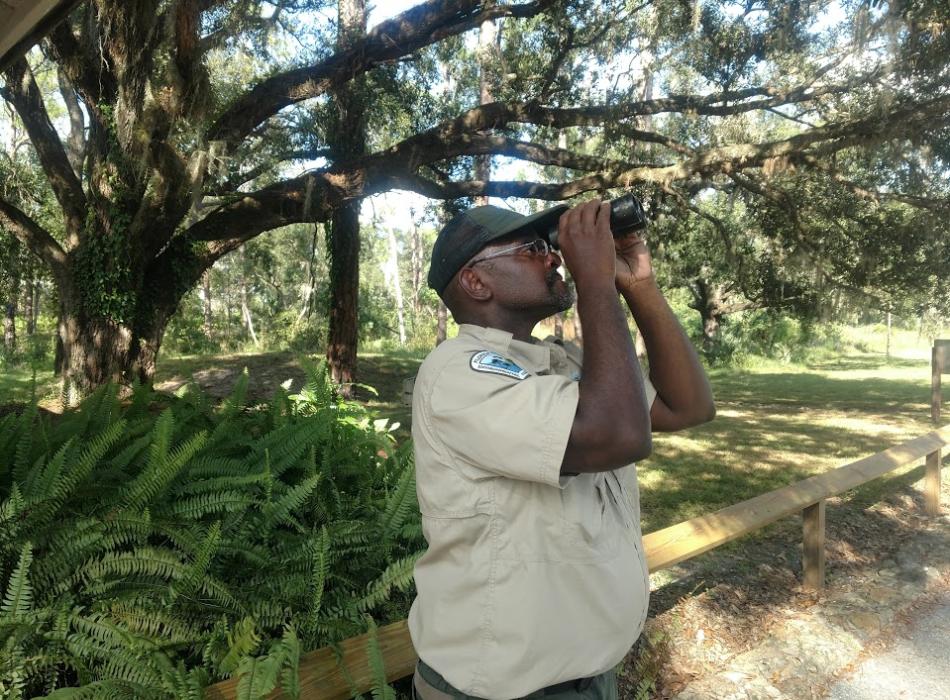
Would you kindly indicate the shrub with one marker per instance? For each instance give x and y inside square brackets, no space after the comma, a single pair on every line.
[153,546]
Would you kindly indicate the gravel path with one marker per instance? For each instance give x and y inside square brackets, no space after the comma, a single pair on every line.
[915,667]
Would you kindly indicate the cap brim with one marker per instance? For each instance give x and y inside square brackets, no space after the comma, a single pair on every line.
[540,220]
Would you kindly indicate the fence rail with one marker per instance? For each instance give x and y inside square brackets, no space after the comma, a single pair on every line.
[327,675]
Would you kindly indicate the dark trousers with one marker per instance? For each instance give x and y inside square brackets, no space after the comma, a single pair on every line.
[427,684]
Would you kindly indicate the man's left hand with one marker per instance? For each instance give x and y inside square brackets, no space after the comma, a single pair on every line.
[633,264]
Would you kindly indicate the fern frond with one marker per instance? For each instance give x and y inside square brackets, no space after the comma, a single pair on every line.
[397,575]
[163,466]
[320,567]
[280,511]
[399,504]
[24,447]
[80,469]
[18,599]
[242,640]
[290,676]
[130,453]
[214,466]
[381,689]
[202,559]
[146,562]
[196,507]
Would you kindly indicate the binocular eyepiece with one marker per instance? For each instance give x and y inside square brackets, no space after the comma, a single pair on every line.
[626,216]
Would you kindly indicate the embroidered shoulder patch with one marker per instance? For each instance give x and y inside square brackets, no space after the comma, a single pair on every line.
[488,361]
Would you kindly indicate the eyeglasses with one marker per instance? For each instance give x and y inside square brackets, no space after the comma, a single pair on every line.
[536,248]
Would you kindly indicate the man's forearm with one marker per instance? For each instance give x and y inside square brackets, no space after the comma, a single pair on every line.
[611,387]
[675,369]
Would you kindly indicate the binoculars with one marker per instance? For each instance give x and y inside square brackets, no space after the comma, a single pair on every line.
[626,216]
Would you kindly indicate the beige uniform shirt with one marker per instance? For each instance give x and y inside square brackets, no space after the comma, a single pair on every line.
[530,578]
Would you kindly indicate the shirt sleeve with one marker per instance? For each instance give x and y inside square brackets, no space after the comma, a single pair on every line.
[504,426]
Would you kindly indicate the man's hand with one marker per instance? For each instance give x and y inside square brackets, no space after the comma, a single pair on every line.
[586,243]
[633,262]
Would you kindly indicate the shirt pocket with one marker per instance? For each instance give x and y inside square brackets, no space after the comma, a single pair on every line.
[590,524]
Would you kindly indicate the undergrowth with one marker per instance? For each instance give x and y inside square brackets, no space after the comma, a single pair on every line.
[154,545]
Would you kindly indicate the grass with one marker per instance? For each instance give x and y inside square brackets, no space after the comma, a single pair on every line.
[776,426]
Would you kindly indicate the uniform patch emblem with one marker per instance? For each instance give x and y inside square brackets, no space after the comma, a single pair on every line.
[488,361]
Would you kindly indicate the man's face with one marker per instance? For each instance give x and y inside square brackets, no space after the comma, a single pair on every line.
[523,276]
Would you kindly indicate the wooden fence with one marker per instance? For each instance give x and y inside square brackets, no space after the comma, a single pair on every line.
[332,675]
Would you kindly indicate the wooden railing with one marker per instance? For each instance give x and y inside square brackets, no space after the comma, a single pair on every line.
[329,675]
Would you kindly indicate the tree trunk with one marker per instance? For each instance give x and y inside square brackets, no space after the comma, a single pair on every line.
[206,305]
[487,42]
[415,262]
[245,308]
[707,300]
[442,322]
[392,274]
[887,348]
[9,325]
[309,300]
[344,243]
[343,331]
[29,308]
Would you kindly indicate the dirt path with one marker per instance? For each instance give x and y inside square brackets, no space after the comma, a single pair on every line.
[737,625]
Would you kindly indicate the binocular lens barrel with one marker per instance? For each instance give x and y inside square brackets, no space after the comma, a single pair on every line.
[626,216]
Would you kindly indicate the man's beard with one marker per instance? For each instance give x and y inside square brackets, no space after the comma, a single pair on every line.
[563,297]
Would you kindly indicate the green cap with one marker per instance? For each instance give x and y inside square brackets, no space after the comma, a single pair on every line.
[469,232]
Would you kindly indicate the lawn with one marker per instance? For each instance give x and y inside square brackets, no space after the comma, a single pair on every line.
[779,424]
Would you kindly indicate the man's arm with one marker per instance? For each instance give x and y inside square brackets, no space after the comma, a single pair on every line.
[611,425]
[684,397]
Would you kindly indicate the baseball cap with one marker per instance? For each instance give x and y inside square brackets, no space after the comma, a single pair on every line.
[469,232]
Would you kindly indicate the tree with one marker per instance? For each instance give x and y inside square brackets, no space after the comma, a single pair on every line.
[197,114]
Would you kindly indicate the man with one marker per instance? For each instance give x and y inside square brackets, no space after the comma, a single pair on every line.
[535,582]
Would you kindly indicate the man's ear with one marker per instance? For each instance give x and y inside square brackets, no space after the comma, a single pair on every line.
[472,284]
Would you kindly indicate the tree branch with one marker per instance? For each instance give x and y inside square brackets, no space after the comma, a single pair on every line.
[23,92]
[415,28]
[40,242]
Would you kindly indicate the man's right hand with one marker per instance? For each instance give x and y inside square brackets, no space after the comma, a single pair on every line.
[587,245]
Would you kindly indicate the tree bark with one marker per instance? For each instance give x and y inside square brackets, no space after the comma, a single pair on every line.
[344,244]
[9,325]
[392,273]
[29,303]
[708,301]
[206,305]
[487,41]
[245,308]
[442,322]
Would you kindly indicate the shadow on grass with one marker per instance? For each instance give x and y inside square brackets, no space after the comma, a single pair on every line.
[735,458]
[813,390]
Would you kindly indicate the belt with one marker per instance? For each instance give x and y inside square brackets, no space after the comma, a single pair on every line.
[426,691]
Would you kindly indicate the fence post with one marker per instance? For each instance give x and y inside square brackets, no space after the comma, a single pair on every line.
[813,547]
[937,357]
[932,484]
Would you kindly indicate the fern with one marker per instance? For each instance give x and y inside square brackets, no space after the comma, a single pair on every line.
[18,599]
[400,503]
[163,466]
[172,549]
[381,689]
[397,575]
